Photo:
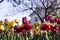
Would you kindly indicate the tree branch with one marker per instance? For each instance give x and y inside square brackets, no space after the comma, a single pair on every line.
[54,9]
[1,1]
[47,4]
[57,8]
[51,4]
[17,2]
[42,3]
[38,16]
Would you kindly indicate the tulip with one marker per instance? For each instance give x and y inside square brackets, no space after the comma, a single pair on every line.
[26,24]
[1,26]
[27,27]
[54,29]
[59,28]
[47,18]
[23,28]
[6,22]
[25,20]
[16,20]
[52,21]
[45,27]
[18,28]
[11,24]
[57,20]
[37,23]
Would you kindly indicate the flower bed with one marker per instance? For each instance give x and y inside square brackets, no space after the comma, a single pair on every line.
[49,29]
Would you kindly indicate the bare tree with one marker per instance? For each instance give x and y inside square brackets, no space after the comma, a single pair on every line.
[50,7]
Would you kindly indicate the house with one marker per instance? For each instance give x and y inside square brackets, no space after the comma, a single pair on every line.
[34,17]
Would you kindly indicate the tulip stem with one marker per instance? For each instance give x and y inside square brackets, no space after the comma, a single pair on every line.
[20,36]
[26,35]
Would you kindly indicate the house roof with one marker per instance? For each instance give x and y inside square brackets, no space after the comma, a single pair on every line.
[32,14]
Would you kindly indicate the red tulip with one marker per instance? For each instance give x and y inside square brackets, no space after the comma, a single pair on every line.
[24,28]
[26,24]
[27,27]
[54,29]
[47,18]
[52,20]
[59,28]
[25,20]
[19,28]
[58,20]
[45,27]
[34,31]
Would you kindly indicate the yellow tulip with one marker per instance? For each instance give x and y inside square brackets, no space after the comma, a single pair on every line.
[6,22]
[1,27]
[16,20]
[11,24]
[1,23]
[37,23]
[37,27]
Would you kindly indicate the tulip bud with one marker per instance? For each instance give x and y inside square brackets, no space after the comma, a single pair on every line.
[25,20]
[6,22]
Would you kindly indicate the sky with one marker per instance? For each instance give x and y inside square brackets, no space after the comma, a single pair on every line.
[8,11]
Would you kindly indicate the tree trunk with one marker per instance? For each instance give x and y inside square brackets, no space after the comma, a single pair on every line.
[45,12]
[39,17]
